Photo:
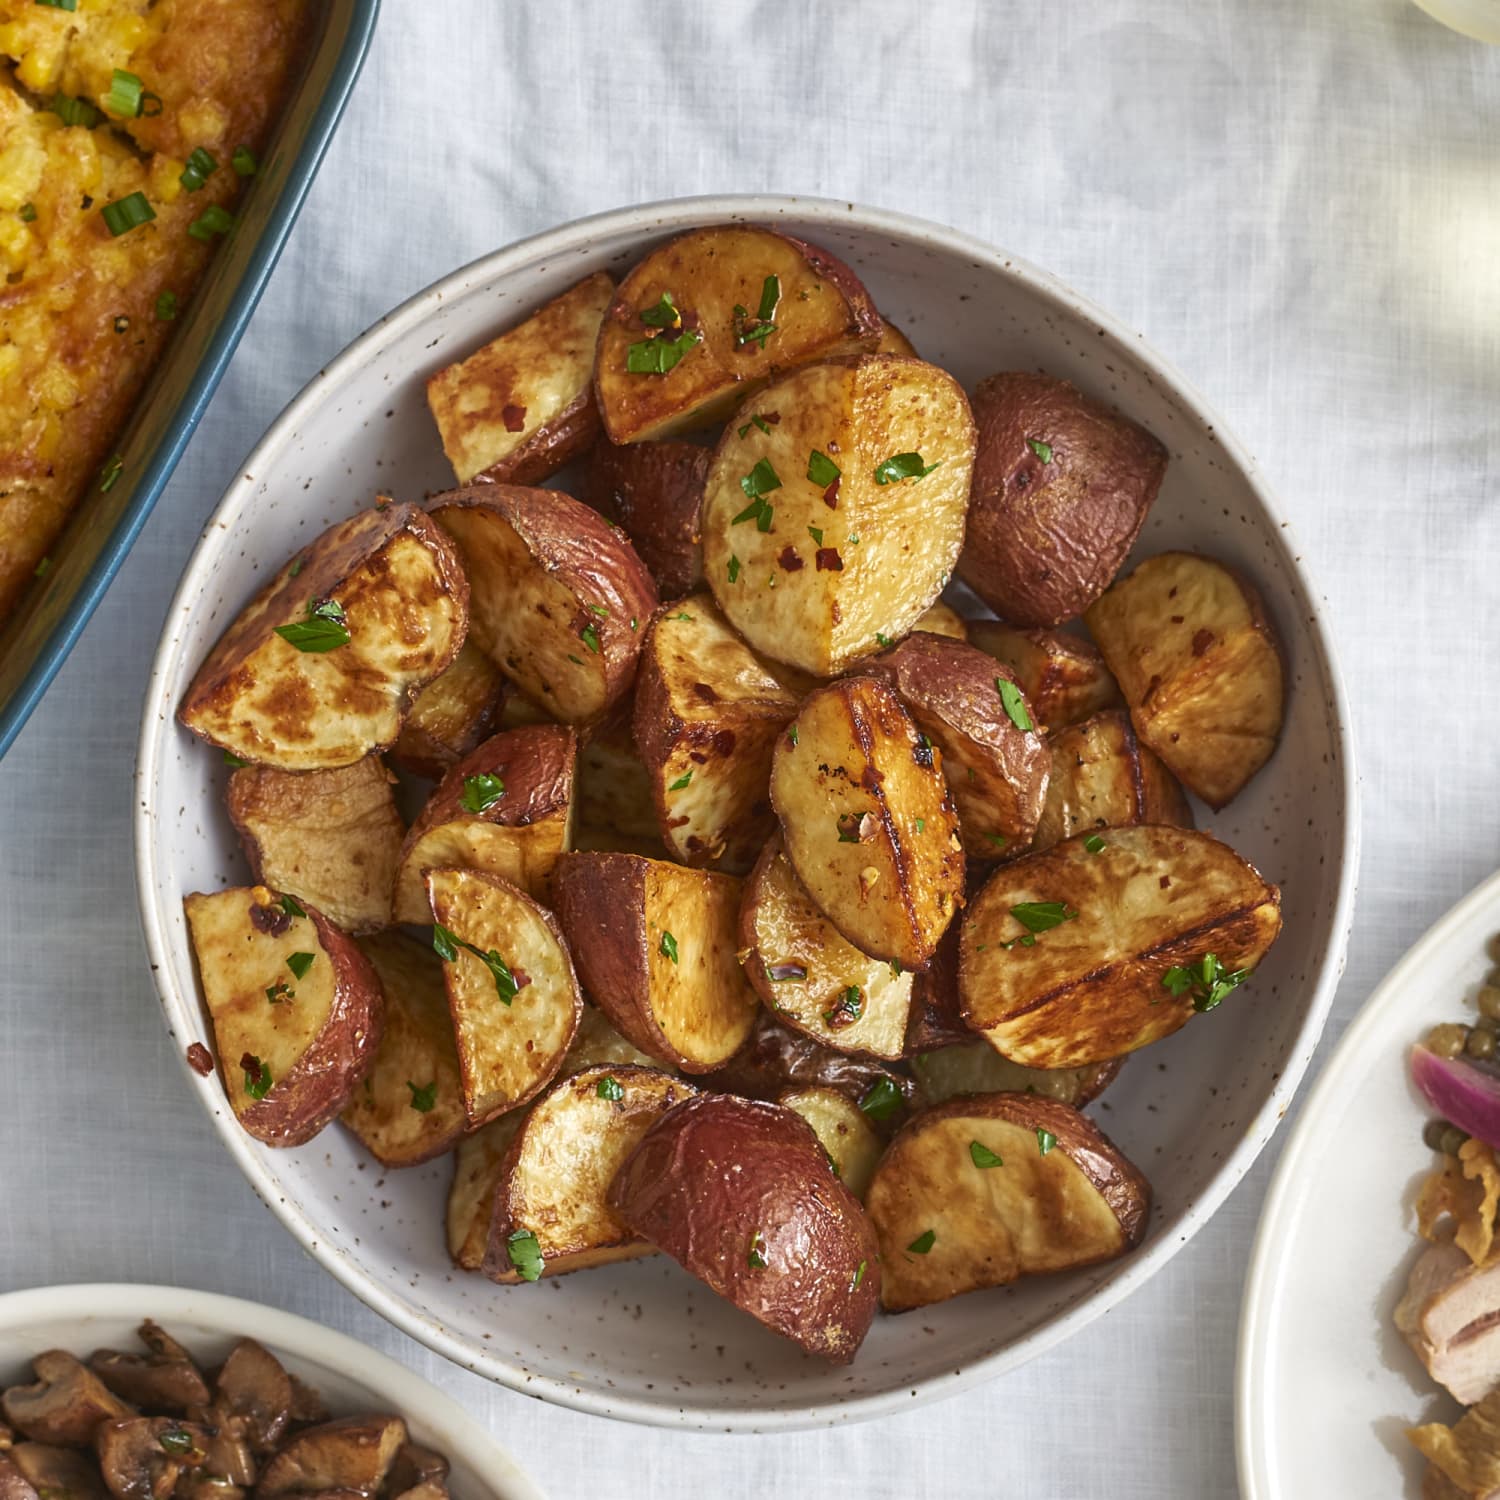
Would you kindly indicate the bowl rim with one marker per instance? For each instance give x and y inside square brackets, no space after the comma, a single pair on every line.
[409,1394]
[665,217]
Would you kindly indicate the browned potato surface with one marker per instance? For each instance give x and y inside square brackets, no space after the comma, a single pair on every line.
[550,1214]
[1117,938]
[331,838]
[410,1106]
[828,535]
[1063,676]
[868,823]
[994,758]
[521,407]
[654,492]
[655,946]
[364,618]
[471,1194]
[991,1187]
[1103,777]
[707,319]
[740,1193]
[451,715]
[596,1041]
[941,619]
[514,1001]
[974,1067]
[614,792]
[559,597]
[296,1009]
[1200,666]
[809,974]
[1062,485]
[842,1130]
[708,711]
[506,807]
[893,341]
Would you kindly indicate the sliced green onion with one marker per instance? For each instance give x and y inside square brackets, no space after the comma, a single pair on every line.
[199,167]
[125,93]
[110,474]
[75,111]
[166,307]
[127,213]
[243,161]
[213,220]
[28,213]
[59,4]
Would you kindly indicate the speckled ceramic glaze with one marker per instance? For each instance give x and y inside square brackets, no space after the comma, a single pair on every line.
[350,1377]
[645,1341]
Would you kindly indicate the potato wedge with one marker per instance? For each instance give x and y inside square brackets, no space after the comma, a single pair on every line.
[614,793]
[365,617]
[1117,943]
[654,493]
[893,341]
[994,759]
[1103,777]
[331,838]
[842,1130]
[941,619]
[471,1194]
[596,1041]
[515,1001]
[740,1194]
[655,946]
[1200,665]
[974,1067]
[451,715]
[560,598]
[506,807]
[868,823]
[992,1187]
[935,1018]
[296,1009]
[1063,676]
[707,319]
[1062,485]
[708,711]
[820,571]
[550,1214]
[410,1107]
[517,410]
[810,975]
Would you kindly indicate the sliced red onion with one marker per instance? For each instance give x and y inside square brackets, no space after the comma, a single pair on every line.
[779,972]
[1462,1094]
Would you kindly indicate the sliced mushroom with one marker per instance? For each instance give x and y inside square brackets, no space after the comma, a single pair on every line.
[307,1405]
[164,1379]
[414,1466]
[429,1489]
[66,1403]
[1451,1317]
[353,1453]
[142,1458]
[254,1388]
[198,1486]
[63,1473]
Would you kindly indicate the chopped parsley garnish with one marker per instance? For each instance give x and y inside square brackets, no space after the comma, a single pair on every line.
[234,762]
[1045,1140]
[921,824]
[668,946]
[1094,844]
[881,1100]
[821,469]
[902,466]
[1042,916]
[846,1010]
[292,906]
[734,568]
[923,1242]
[755,421]
[28,213]
[481,791]
[859,1276]
[279,992]
[982,1156]
[746,332]
[198,168]
[424,1098]
[243,161]
[324,629]
[1207,981]
[525,1254]
[609,1088]
[659,355]
[791,736]
[300,963]
[257,1076]
[127,213]
[590,638]
[999,840]
[213,220]
[173,1439]
[895,968]
[816,533]
[662,314]
[1014,704]
[882,639]
[446,945]
[166,307]
[757,484]
[755,1257]
[59,4]
[682,614]
[109,475]
[1042,450]
[681,782]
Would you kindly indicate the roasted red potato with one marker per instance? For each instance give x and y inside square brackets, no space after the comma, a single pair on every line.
[615,799]
[296,1009]
[512,992]
[828,535]
[1099,946]
[1200,666]
[992,1187]
[994,759]
[843,1131]
[549,1214]
[365,617]
[560,599]
[506,807]
[940,619]
[867,820]
[708,712]
[471,1194]
[655,946]
[741,1194]
[410,1106]
[1063,676]
[709,318]
[1062,486]
[974,1067]
[654,493]
[521,407]
[451,715]
[330,838]
[893,341]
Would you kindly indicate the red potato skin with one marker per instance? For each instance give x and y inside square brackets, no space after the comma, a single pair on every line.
[1046,539]
[716,1176]
[550,448]
[538,759]
[653,491]
[935,1019]
[311,1096]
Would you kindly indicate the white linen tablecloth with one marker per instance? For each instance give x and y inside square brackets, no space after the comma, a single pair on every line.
[1298,201]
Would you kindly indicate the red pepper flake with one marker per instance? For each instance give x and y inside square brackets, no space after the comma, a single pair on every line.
[831,494]
[521,977]
[200,1059]
[789,561]
[514,418]
[829,561]
[1202,641]
[271,920]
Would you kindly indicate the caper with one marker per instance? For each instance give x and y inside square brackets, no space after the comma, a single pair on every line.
[1452,1139]
[1433,1132]
[1480,1043]
[1448,1039]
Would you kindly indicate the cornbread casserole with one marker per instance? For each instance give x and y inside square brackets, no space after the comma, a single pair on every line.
[126,132]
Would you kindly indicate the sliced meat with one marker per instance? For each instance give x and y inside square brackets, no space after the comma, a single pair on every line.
[65,1405]
[1451,1317]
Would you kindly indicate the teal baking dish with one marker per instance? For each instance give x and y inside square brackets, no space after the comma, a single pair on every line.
[35,642]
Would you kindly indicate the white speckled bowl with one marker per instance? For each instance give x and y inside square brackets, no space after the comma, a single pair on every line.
[644,1341]
[350,1377]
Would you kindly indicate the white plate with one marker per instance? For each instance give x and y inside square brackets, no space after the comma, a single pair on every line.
[1326,1386]
[350,1377]
[643,1340]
